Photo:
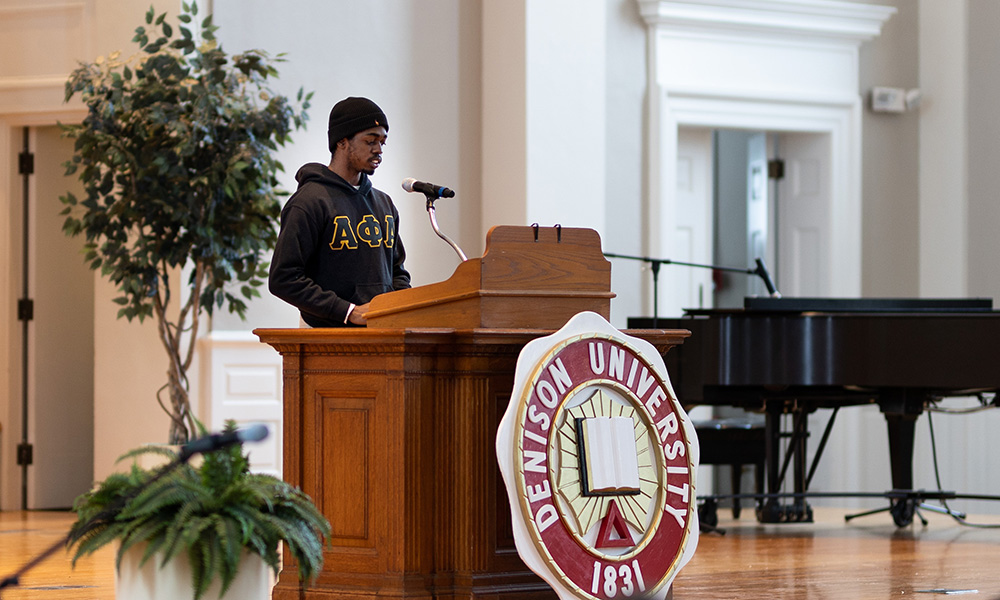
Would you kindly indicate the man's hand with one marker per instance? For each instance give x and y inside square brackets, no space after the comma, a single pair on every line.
[357,315]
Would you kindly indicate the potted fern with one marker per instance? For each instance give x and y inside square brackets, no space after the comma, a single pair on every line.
[207,519]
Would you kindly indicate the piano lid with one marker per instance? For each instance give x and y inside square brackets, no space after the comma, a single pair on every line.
[868,305]
[948,347]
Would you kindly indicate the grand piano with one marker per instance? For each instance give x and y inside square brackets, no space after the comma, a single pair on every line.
[795,355]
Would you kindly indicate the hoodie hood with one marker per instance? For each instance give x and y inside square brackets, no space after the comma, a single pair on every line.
[321,174]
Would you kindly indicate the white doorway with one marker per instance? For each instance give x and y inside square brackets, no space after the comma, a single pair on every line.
[691,242]
[744,209]
[773,66]
[59,348]
[805,215]
[743,195]
[817,249]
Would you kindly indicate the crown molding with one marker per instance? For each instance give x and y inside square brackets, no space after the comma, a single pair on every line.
[829,19]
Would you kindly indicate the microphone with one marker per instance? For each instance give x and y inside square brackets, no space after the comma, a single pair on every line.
[217,441]
[428,189]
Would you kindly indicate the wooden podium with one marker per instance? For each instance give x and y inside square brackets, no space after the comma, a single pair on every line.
[391,428]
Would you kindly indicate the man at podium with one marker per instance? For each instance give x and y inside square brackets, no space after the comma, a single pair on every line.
[338,246]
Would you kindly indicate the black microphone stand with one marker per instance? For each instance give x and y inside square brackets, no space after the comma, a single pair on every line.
[654,266]
[183,457]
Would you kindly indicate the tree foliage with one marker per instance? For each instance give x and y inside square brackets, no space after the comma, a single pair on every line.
[176,155]
[210,514]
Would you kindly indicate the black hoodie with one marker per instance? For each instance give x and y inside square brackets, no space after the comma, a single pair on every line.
[337,246]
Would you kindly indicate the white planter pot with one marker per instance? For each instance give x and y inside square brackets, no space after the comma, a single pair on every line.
[254,580]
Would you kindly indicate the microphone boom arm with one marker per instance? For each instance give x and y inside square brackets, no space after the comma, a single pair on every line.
[202,445]
[760,270]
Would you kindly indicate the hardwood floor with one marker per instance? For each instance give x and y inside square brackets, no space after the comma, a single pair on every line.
[866,559]
[24,535]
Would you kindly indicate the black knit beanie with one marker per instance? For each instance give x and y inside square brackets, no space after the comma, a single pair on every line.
[352,115]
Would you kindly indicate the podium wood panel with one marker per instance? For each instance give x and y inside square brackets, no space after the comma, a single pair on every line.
[392,433]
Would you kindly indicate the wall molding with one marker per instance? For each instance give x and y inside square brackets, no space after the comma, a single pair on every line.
[832,19]
[25,82]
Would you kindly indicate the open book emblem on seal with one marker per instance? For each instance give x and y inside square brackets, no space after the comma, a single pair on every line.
[599,460]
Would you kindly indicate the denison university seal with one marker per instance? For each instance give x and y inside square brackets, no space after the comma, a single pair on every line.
[599,460]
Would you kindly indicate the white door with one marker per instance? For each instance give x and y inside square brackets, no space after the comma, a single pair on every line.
[690,240]
[61,342]
[758,211]
[803,205]
[742,223]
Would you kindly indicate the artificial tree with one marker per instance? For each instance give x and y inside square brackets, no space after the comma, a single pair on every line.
[176,155]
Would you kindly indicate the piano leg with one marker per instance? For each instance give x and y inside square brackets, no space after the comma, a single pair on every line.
[772,510]
[904,501]
[902,428]
[800,434]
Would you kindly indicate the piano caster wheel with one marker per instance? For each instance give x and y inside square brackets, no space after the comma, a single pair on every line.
[770,512]
[800,513]
[708,517]
[902,511]
[708,514]
[773,512]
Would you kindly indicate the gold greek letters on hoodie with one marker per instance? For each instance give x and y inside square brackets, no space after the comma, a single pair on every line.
[368,230]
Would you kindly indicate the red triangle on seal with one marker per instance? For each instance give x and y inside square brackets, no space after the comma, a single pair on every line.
[615,524]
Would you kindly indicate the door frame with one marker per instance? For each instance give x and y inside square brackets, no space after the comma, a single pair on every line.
[10,359]
[839,120]
[765,65]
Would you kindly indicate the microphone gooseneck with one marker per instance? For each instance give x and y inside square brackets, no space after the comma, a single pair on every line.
[432,193]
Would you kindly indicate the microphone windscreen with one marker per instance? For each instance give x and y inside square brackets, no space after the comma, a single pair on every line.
[254,433]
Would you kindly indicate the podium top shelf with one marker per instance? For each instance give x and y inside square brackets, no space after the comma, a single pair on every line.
[528,277]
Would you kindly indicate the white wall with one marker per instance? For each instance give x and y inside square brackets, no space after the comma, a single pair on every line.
[625,138]
[566,151]
[544,112]
[505,105]
[130,365]
[406,56]
[984,147]
[510,115]
[891,147]
[944,192]
[419,62]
